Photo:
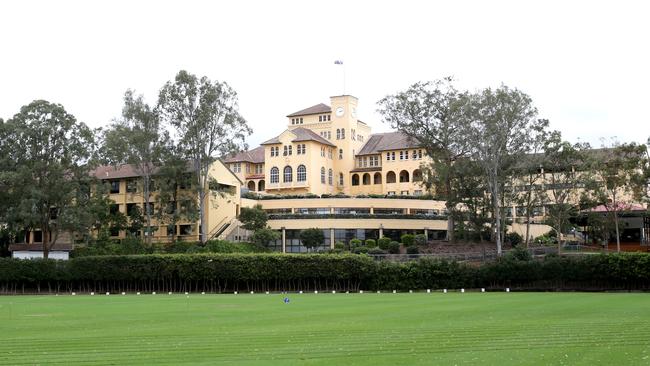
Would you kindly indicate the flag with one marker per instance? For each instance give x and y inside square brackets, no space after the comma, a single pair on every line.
[338,62]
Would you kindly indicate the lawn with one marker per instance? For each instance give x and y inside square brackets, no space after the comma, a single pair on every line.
[328,329]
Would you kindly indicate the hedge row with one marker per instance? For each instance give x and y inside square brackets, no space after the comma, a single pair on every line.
[277,272]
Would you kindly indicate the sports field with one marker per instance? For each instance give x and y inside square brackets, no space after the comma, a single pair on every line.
[328,329]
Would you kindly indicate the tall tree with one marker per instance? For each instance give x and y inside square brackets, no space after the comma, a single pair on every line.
[139,139]
[51,152]
[564,178]
[176,199]
[501,123]
[428,112]
[620,174]
[205,115]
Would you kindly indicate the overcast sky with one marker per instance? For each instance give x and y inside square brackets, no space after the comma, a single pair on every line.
[585,64]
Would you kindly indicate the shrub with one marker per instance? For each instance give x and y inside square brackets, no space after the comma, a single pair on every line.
[371,243]
[384,243]
[178,247]
[377,251]
[513,239]
[224,246]
[412,250]
[312,238]
[420,239]
[195,249]
[339,245]
[355,243]
[545,239]
[393,247]
[408,239]
[360,250]
[520,254]
[262,237]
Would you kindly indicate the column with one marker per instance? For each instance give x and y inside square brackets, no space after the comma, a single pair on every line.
[332,238]
[284,240]
[426,233]
[381,231]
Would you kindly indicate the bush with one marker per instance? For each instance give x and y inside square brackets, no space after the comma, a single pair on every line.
[312,238]
[513,239]
[545,239]
[339,245]
[371,243]
[355,243]
[262,237]
[520,254]
[224,246]
[412,250]
[408,239]
[384,243]
[393,247]
[420,239]
[377,251]
[360,250]
[178,247]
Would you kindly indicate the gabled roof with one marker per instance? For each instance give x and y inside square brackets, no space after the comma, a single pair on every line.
[130,171]
[255,156]
[387,141]
[302,134]
[315,109]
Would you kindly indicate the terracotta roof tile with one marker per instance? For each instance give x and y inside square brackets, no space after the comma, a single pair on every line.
[255,156]
[387,141]
[315,109]
[302,134]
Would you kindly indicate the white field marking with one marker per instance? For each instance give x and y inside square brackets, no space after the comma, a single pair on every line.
[123,293]
[187,293]
[73,294]
[108,293]
[153,293]
[252,292]
[462,290]
[170,293]
[235,292]
[444,291]
[333,292]
[92,294]
[507,289]
[267,292]
[360,291]
[482,289]
[137,293]
[300,292]
[203,293]
[315,292]
[428,291]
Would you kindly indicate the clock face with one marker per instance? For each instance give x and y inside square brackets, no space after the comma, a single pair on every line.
[354,113]
[339,111]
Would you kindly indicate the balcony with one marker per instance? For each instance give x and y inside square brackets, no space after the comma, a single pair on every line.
[287,185]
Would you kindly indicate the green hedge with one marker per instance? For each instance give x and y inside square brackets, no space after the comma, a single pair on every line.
[278,272]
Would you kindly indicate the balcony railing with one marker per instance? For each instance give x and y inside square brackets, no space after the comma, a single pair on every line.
[288,185]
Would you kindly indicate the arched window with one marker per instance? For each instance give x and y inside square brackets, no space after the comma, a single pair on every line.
[340,154]
[330,178]
[260,185]
[390,177]
[322,175]
[288,174]
[338,134]
[251,185]
[341,179]
[355,179]
[366,179]
[377,178]
[301,173]
[403,176]
[275,175]
[417,175]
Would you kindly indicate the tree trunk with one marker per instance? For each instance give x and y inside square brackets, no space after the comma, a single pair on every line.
[527,229]
[497,217]
[46,244]
[147,197]
[450,210]
[618,235]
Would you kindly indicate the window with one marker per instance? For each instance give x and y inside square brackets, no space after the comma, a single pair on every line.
[115,186]
[390,177]
[288,174]
[401,155]
[392,156]
[275,175]
[353,134]
[288,150]
[343,134]
[132,209]
[403,176]
[404,193]
[406,155]
[131,186]
[341,179]
[329,177]
[301,149]
[355,179]
[338,134]
[301,173]
[374,161]
[113,209]
[359,162]
[322,175]
[387,156]
[275,151]
[329,135]
[248,168]
[329,153]
[390,193]
[259,169]
[236,168]
[186,229]
[365,161]
[324,118]
[377,178]
[322,151]
[340,154]
[366,179]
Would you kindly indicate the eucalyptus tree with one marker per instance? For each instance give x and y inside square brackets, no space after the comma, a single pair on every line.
[566,180]
[206,119]
[429,113]
[138,139]
[501,126]
[50,152]
[620,176]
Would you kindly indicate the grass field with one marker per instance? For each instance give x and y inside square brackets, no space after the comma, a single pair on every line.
[327,329]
